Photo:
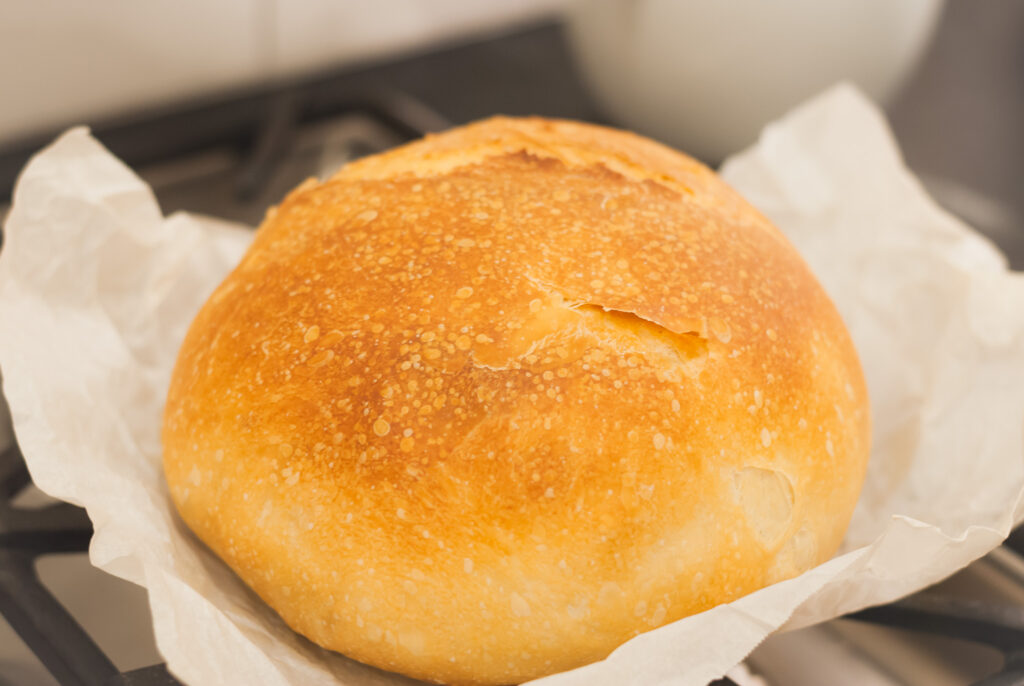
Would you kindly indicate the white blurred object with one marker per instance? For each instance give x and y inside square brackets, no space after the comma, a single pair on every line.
[64,63]
[706,76]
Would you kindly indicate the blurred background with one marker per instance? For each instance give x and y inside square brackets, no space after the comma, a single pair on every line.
[158,80]
[224,106]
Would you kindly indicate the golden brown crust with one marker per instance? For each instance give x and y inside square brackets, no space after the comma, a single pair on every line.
[486,406]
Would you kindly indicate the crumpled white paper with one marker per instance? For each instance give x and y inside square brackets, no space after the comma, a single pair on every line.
[97,290]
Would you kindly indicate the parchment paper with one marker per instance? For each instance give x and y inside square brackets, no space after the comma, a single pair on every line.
[97,290]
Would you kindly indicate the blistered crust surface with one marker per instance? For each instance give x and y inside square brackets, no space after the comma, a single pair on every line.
[484,407]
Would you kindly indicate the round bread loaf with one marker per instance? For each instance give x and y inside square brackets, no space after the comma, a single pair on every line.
[486,406]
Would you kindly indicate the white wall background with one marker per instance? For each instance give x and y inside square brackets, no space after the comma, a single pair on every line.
[71,61]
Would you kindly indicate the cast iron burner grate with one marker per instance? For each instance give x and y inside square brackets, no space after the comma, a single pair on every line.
[33,612]
[260,126]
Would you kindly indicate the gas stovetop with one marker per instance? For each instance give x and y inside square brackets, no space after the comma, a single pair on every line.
[234,157]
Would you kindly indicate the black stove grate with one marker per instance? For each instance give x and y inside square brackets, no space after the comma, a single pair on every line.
[997,626]
[261,124]
[46,627]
